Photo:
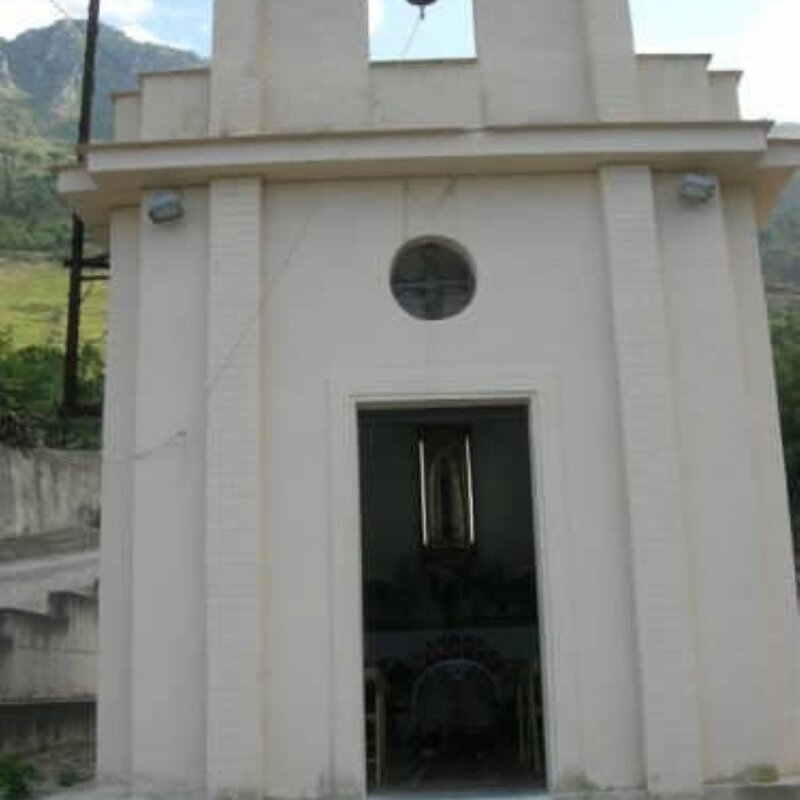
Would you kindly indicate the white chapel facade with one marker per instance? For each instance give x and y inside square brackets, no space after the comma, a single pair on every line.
[441,436]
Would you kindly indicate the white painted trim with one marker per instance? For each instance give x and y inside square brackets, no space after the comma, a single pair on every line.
[539,390]
[781,154]
[341,155]
[234,535]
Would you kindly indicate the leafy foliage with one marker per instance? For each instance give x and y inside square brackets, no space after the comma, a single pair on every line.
[32,216]
[16,779]
[68,778]
[32,300]
[780,243]
[786,347]
[31,378]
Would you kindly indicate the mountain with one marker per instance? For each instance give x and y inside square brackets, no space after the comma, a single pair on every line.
[40,85]
[40,79]
[45,66]
[780,240]
[780,250]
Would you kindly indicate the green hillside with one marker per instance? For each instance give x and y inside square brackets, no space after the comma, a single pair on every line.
[39,89]
[780,247]
[32,303]
[45,66]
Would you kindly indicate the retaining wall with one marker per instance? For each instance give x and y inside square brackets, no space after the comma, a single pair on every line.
[48,490]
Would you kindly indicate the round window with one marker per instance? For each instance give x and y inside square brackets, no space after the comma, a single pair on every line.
[432,279]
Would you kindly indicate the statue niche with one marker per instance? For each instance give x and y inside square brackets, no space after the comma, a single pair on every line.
[446,491]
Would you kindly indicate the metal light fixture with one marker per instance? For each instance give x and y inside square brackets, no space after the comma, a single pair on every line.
[422,5]
[165,205]
[697,189]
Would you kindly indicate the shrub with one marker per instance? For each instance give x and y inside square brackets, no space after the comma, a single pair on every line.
[16,779]
[68,778]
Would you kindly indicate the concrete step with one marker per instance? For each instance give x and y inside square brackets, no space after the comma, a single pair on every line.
[47,545]
[26,585]
[51,653]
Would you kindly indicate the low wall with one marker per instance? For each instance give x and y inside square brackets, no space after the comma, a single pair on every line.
[28,727]
[48,545]
[48,490]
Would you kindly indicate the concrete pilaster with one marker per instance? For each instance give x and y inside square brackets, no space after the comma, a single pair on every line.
[612,61]
[119,419]
[777,582]
[721,501]
[666,647]
[168,654]
[236,68]
[233,540]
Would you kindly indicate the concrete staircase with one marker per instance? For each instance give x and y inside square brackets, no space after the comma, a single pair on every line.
[25,584]
[48,650]
[49,655]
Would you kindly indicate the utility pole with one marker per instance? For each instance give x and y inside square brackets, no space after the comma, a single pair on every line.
[71,405]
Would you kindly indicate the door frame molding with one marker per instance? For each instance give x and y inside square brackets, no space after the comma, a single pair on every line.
[539,391]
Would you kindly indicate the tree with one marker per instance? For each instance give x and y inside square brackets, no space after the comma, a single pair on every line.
[786,347]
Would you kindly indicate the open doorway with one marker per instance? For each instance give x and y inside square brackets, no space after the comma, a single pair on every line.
[452,673]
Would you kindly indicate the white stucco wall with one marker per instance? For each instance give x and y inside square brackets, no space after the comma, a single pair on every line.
[719,488]
[542,305]
[538,63]
[175,105]
[114,686]
[167,550]
[245,335]
[675,88]
[543,309]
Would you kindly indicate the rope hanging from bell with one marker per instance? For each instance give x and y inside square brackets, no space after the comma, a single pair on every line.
[422,5]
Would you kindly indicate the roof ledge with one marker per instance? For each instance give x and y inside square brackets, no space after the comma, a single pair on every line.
[775,169]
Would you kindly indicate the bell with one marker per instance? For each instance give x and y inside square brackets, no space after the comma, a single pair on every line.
[422,5]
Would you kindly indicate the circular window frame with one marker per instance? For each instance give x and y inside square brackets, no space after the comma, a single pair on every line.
[455,249]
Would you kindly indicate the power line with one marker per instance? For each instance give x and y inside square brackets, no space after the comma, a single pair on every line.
[413,35]
[61,10]
[257,312]
[182,436]
[71,398]
[78,29]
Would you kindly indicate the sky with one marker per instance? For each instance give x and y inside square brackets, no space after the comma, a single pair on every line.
[761,37]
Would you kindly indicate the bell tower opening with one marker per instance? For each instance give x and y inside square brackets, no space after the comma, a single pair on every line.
[452,656]
[421,30]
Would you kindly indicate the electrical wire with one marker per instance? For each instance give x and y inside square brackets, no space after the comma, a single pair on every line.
[252,319]
[413,35]
[88,293]
[78,29]
[61,10]
[257,312]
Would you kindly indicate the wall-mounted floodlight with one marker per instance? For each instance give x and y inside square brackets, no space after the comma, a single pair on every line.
[697,189]
[165,205]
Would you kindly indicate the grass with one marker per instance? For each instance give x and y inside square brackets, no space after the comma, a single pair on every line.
[33,302]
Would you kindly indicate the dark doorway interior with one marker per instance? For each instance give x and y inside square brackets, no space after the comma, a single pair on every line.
[451,634]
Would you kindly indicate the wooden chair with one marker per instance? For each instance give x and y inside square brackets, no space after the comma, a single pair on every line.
[375,690]
[529,718]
